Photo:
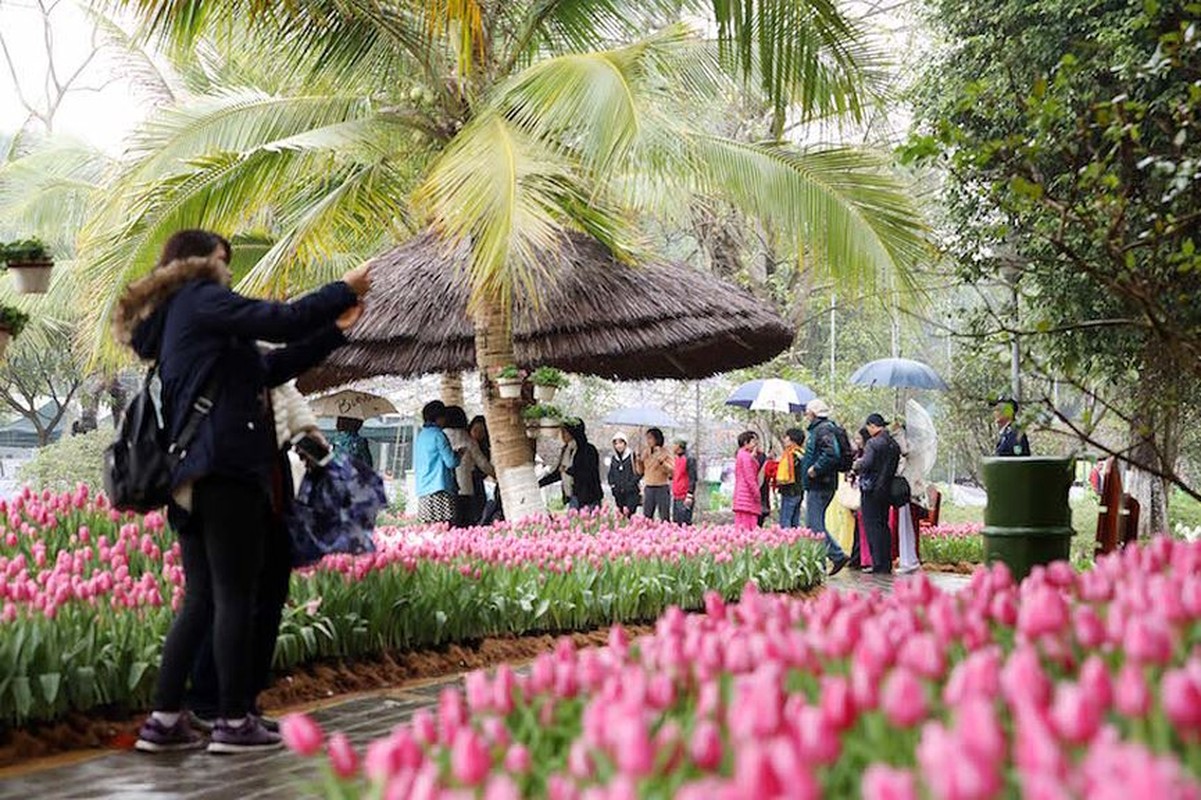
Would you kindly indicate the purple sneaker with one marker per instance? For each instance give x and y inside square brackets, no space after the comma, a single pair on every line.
[155,737]
[249,737]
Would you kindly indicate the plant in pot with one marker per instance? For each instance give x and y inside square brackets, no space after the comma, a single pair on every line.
[30,265]
[12,321]
[547,381]
[508,383]
[541,417]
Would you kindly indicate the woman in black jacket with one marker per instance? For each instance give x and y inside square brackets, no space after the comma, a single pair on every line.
[583,475]
[205,340]
[623,477]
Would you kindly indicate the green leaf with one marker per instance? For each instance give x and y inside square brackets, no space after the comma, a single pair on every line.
[51,686]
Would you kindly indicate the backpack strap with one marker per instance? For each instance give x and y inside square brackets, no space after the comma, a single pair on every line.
[200,410]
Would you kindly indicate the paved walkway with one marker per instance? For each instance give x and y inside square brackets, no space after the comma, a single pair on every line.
[279,775]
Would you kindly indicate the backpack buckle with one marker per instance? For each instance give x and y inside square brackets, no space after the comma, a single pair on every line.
[203,405]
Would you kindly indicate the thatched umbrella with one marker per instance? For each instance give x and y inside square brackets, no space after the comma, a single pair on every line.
[594,315]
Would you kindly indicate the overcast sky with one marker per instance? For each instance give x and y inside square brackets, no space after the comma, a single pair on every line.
[100,117]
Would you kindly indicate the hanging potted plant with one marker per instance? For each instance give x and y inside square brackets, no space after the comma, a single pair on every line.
[12,321]
[547,381]
[30,265]
[540,417]
[508,383]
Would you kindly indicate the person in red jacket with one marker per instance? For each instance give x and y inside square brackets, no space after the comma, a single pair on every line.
[683,485]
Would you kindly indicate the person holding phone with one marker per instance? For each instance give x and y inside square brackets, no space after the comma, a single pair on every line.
[204,338]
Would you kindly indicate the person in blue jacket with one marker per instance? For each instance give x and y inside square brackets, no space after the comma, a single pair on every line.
[434,463]
[205,339]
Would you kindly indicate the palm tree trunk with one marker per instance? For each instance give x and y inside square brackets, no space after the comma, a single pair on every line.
[452,388]
[512,454]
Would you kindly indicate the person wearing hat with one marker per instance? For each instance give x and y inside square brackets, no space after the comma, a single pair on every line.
[875,470]
[1012,441]
[623,478]
[819,477]
[683,485]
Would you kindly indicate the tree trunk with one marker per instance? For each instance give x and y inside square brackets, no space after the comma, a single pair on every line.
[512,454]
[452,388]
[1153,436]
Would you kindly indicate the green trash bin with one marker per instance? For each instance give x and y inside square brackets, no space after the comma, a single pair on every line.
[1028,519]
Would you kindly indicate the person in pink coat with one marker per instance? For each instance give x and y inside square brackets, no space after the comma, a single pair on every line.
[748,505]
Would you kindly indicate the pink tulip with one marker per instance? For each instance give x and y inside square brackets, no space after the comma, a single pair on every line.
[705,747]
[1076,714]
[1147,641]
[1023,679]
[469,759]
[882,782]
[1131,695]
[1043,612]
[517,759]
[903,698]
[342,756]
[1180,694]
[301,734]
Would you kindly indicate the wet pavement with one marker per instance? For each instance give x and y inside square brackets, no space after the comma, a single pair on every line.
[281,775]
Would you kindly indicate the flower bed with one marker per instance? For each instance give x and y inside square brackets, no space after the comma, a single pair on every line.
[86,593]
[953,544]
[1071,685]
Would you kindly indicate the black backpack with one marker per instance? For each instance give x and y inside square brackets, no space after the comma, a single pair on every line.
[846,456]
[139,463]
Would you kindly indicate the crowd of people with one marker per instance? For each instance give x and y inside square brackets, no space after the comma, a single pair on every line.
[452,457]
[819,463]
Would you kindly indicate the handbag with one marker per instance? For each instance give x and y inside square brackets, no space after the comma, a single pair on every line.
[335,511]
[899,493]
[848,496]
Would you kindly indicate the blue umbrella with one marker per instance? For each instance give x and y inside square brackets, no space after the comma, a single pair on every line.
[642,417]
[772,394]
[898,373]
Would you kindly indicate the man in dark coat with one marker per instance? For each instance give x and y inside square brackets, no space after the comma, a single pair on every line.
[819,477]
[1012,440]
[876,469]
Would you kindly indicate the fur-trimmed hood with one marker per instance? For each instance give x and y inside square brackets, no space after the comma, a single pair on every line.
[136,322]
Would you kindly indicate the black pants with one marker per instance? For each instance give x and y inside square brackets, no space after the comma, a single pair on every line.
[657,499]
[274,583]
[626,500]
[223,545]
[879,537]
[465,512]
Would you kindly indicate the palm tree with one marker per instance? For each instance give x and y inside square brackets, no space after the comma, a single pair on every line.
[541,117]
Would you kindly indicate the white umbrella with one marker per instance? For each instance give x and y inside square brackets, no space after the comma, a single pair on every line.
[923,442]
[349,403]
[772,394]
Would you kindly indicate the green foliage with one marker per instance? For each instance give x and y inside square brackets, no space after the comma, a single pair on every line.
[1066,130]
[549,376]
[541,411]
[13,320]
[510,373]
[70,461]
[25,251]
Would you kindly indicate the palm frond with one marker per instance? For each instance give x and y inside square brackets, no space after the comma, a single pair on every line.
[844,208]
[803,53]
[509,195]
[50,192]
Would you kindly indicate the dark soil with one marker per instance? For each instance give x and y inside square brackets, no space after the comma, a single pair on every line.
[957,567]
